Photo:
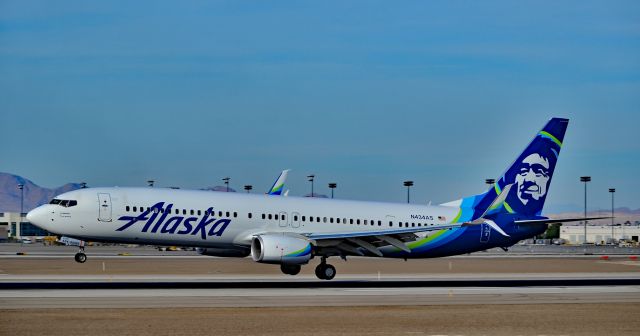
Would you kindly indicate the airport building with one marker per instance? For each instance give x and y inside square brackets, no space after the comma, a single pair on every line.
[15,225]
[600,234]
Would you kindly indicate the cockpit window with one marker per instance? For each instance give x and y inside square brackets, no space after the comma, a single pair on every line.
[64,203]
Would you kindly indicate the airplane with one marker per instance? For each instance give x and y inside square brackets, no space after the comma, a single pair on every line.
[275,190]
[291,231]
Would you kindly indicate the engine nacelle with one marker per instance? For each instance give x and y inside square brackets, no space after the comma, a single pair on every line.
[280,249]
[223,252]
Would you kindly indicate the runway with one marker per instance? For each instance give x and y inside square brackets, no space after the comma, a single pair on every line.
[313,297]
[149,293]
[145,291]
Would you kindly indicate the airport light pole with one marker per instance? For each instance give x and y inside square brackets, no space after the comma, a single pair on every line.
[612,191]
[310,179]
[150,183]
[585,179]
[490,182]
[226,182]
[332,186]
[408,184]
[21,187]
[248,188]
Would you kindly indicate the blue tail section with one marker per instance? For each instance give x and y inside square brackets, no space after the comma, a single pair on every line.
[530,175]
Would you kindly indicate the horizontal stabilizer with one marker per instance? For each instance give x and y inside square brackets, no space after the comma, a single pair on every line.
[557,220]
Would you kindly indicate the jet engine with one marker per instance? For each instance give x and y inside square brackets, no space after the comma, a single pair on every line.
[280,249]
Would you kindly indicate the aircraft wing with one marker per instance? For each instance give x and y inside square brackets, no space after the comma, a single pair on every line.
[556,220]
[336,235]
[350,242]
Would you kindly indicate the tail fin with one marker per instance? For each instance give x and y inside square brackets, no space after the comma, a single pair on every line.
[278,185]
[530,175]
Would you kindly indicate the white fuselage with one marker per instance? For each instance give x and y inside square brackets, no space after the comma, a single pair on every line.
[180,218]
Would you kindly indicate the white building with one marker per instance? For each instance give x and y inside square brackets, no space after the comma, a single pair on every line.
[16,226]
[599,234]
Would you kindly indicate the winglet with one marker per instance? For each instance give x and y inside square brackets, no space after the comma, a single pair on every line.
[278,185]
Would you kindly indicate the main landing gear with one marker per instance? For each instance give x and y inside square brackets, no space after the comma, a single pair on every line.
[325,271]
[80,256]
[290,269]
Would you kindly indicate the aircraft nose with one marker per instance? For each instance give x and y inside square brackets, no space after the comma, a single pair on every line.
[38,217]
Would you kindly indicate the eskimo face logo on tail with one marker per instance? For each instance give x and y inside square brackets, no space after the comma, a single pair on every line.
[157,219]
[532,178]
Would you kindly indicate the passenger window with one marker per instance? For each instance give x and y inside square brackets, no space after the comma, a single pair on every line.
[413,224]
[390,223]
[365,222]
[331,220]
[358,221]
[227,214]
[338,220]
[303,218]
[127,208]
[219,213]
[350,220]
[379,223]
[184,211]
[235,214]
[270,216]
[135,209]
[283,217]
[199,212]
[263,216]
[177,210]
[344,220]
[311,218]
[275,216]
[318,219]
[295,218]
[192,212]
[249,215]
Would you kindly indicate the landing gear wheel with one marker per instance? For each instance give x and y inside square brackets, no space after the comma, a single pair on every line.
[319,271]
[290,269]
[80,257]
[325,271]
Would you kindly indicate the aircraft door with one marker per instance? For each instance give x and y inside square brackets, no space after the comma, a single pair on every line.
[282,219]
[104,207]
[295,220]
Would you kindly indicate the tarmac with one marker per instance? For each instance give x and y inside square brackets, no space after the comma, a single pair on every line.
[146,292]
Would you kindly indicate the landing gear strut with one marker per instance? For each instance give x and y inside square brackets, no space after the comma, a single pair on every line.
[80,256]
[325,271]
[290,269]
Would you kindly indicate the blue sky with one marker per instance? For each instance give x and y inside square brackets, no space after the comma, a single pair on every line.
[366,94]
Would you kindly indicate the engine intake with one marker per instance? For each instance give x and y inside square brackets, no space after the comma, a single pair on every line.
[280,249]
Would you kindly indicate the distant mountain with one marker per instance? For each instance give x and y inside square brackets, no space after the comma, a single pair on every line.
[34,195]
[219,188]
